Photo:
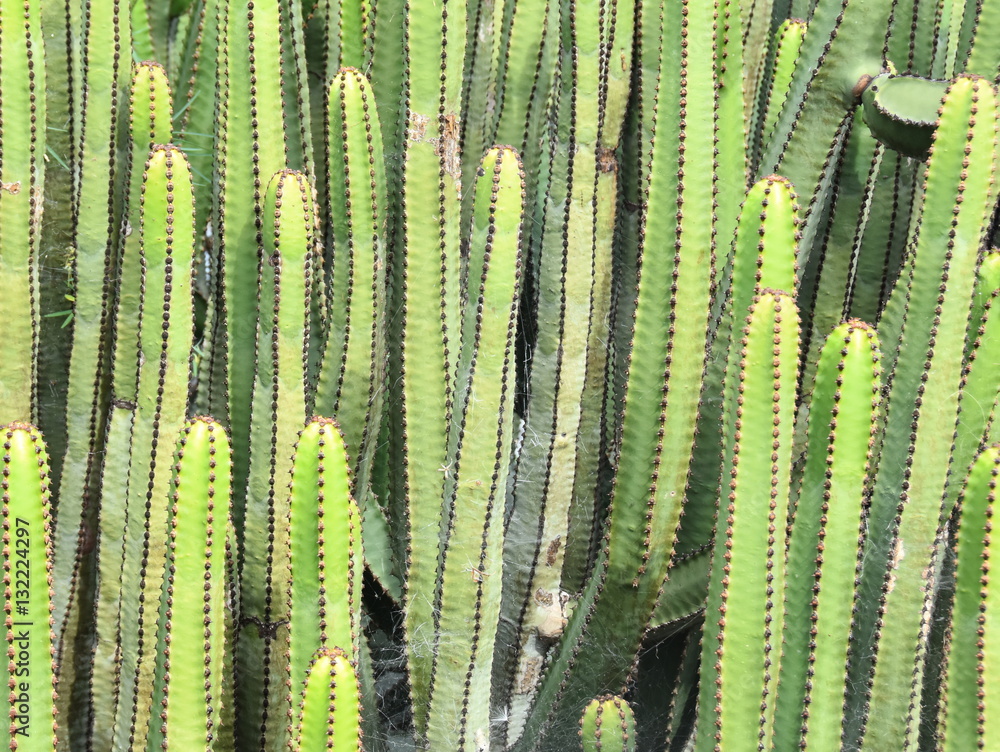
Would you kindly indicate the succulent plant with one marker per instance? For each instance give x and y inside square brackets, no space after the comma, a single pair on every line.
[616,375]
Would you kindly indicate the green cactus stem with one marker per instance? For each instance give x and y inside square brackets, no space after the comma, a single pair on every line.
[351,382]
[902,111]
[744,615]
[613,95]
[106,63]
[335,36]
[279,412]
[844,42]
[924,324]
[762,256]
[972,685]
[29,672]
[22,173]
[427,286]
[467,601]
[324,527]
[162,359]
[191,631]
[829,278]
[557,466]
[983,58]
[197,87]
[251,144]
[608,725]
[150,125]
[977,419]
[667,360]
[785,45]
[330,709]
[825,542]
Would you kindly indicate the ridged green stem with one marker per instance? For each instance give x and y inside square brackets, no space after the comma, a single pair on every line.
[105,73]
[351,383]
[831,272]
[762,256]
[785,45]
[825,542]
[573,286]
[977,416]
[744,616]
[844,42]
[278,413]
[191,633]
[324,527]
[162,361]
[150,125]
[467,598]
[428,287]
[22,178]
[608,725]
[29,672]
[197,88]
[900,558]
[250,148]
[972,686]
[691,167]
[330,707]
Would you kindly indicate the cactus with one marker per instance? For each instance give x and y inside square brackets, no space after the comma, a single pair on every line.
[27,568]
[191,629]
[324,528]
[906,502]
[150,115]
[608,725]
[330,708]
[97,206]
[279,410]
[351,375]
[744,615]
[161,360]
[578,469]
[22,177]
[970,686]
[825,540]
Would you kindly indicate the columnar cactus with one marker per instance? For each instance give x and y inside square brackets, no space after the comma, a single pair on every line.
[671,398]
[324,530]
[330,708]
[190,687]
[27,568]
[161,360]
[608,725]
[22,174]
